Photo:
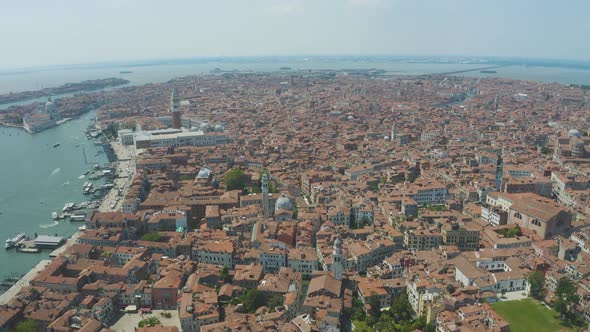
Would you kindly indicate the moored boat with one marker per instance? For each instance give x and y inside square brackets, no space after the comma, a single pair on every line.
[14,241]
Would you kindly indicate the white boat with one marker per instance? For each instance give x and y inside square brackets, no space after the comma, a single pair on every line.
[54,215]
[68,207]
[12,242]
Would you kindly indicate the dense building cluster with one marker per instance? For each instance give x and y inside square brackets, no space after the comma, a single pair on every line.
[317,195]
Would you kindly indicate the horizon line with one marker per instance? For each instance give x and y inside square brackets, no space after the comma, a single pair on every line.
[555,62]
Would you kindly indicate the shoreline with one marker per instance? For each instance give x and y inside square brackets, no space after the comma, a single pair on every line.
[124,164]
[23,282]
[58,123]
[67,88]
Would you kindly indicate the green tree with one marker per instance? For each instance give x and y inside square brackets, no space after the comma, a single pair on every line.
[252,299]
[274,301]
[375,306]
[385,323]
[537,281]
[111,131]
[401,309]
[235,179]
[225,274]
[153,237]
[565,295]
[510,232]
[28,325]
[358,310]
[545,150]
[149,322]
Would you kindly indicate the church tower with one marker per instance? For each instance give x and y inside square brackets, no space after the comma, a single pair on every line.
[499,170]
[337,259]
[175,109]
[264,188]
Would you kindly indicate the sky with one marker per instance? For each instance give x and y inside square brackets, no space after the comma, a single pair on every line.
[41,32]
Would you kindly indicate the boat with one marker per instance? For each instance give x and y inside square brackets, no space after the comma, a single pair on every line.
[54,215]
[77,217]
[29,250]
[68,207]
[56,145]
[14,241]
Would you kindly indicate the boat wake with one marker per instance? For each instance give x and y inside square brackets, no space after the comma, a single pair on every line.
[82,176]
[55,171]
[65,183]
[53,224]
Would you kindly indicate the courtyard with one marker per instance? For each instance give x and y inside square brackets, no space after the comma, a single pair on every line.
[125,322]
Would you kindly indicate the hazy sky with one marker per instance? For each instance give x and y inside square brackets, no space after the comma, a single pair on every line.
[45,32]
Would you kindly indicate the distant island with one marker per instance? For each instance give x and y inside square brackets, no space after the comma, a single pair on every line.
[89,85]
[125,72]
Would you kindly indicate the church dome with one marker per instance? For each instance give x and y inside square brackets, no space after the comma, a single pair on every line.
[50,106]
[283,203]
[574,133]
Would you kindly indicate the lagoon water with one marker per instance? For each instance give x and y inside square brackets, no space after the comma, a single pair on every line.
[16,81]
[36,179]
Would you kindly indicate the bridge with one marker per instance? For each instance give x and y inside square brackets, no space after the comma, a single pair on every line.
[463,71]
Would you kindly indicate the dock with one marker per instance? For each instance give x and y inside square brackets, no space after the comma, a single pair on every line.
[70,242]
[48,241]
[23,282]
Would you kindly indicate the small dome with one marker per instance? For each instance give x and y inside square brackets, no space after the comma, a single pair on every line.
[204,173]
[283,203]
[574,133]
[218,127]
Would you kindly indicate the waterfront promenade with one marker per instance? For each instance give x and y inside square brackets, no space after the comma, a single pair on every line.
[125,171]
[24,281]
